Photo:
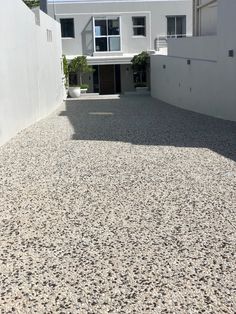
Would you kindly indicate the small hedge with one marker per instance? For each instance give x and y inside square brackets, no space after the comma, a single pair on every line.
[84,86]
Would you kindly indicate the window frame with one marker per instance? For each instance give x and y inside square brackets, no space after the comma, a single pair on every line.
[176,35]
[107,36]
[73,29]
[144,26]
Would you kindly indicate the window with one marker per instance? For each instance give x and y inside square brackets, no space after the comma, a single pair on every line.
[139,25]
[176,26]
[67,28]
[49,35]
[107,34]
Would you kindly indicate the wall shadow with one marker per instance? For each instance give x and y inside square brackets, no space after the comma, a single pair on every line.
[146,121]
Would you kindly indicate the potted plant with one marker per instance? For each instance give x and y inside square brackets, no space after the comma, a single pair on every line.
[139,66]
[84,88]
[79,66]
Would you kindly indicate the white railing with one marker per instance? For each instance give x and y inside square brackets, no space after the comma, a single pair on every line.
[161,40]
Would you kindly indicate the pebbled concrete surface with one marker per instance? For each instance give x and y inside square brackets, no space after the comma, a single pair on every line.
[119,206]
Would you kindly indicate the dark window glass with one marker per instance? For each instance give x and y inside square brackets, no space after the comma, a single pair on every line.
[67,28]
[139,31]
[100,28]
[139,25]
[176,26]
[114,27]
[101,44]
[181,26]
[139,21]
[171,26]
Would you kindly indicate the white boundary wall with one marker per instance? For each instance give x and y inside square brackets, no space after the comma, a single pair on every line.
[31,84]
[208,84]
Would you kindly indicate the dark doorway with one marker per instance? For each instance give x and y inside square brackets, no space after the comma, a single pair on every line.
[117,76]
[96,79]
[107,79]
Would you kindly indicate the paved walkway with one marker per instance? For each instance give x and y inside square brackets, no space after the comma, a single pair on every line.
[119,206]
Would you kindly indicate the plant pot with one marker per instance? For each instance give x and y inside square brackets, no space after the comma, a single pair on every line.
[74,92]
[83,90]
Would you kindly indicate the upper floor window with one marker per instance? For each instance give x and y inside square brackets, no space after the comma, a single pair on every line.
[176,26]
[107,34]
[139,25]
[67,28]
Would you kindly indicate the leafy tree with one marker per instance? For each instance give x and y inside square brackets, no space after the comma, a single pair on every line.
[79,64]
[139,65]
[32,3]
[66,70]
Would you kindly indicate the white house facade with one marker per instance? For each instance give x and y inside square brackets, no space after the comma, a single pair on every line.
[205,63]
[110,33]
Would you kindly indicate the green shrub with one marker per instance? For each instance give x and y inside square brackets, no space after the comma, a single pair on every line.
[32,3]
[80,65]
[140,61]
[139,65]
[84,86]
[66,71]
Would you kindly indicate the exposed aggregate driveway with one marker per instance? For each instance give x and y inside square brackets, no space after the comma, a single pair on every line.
[119,206]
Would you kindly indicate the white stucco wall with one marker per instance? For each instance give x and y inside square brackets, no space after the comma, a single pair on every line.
[195,47]
[30,66]
[207,85]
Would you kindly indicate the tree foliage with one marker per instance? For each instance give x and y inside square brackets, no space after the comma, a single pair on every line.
[140,61]
[80,64]
[139,66]
[66,70]
[32,3]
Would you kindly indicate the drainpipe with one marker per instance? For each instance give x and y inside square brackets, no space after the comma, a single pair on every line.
[44,6]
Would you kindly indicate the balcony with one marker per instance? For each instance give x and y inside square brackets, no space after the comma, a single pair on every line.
[187,46]
[162,42]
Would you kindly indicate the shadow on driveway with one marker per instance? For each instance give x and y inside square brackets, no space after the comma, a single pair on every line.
[146,121]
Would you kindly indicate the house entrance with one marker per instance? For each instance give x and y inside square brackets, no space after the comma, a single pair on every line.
[106,79]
